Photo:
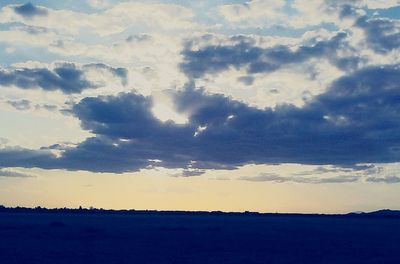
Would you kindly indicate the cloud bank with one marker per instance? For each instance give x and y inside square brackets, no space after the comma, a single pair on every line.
[355,121]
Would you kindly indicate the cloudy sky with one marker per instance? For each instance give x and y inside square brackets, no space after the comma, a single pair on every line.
[264,105]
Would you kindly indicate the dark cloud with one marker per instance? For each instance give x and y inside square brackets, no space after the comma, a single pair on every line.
[20,157]
[29,10]
[245,54]
[65,77]
[272,177]
[356,121]
[387,179]
[20,104]
[382,34]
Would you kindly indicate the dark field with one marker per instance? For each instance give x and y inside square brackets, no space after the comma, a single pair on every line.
[196,238]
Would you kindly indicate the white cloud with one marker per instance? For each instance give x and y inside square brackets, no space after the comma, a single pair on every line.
[101,4]
[116,19]
[315,12]
[152,59]
[308,13]
[292,85]
[252,10]
[376,4]
[22,34]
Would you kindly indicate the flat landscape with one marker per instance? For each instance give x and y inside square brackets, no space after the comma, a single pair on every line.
[181,237]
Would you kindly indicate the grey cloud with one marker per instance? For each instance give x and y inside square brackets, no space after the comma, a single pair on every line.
[29,10]
[8,173]
[338,179]
[48,107]
[382,34]
[65,77]
[247,80]
[387,179]
[20,157]
[3,141]
[245,54]
[359,169]
[33,30]
[59,146]
[25,104]
[347,10]
[20,104]
[271,177]
[189,173]
[122,73]
[265,177]
[139,38]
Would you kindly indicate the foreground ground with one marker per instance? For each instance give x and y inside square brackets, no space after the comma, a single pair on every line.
[196,238]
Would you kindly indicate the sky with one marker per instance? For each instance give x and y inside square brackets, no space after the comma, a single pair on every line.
[262,105]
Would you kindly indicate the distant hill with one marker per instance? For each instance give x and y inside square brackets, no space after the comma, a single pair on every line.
[383,213]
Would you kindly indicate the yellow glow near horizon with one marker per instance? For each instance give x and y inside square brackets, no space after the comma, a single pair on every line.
[151,190]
